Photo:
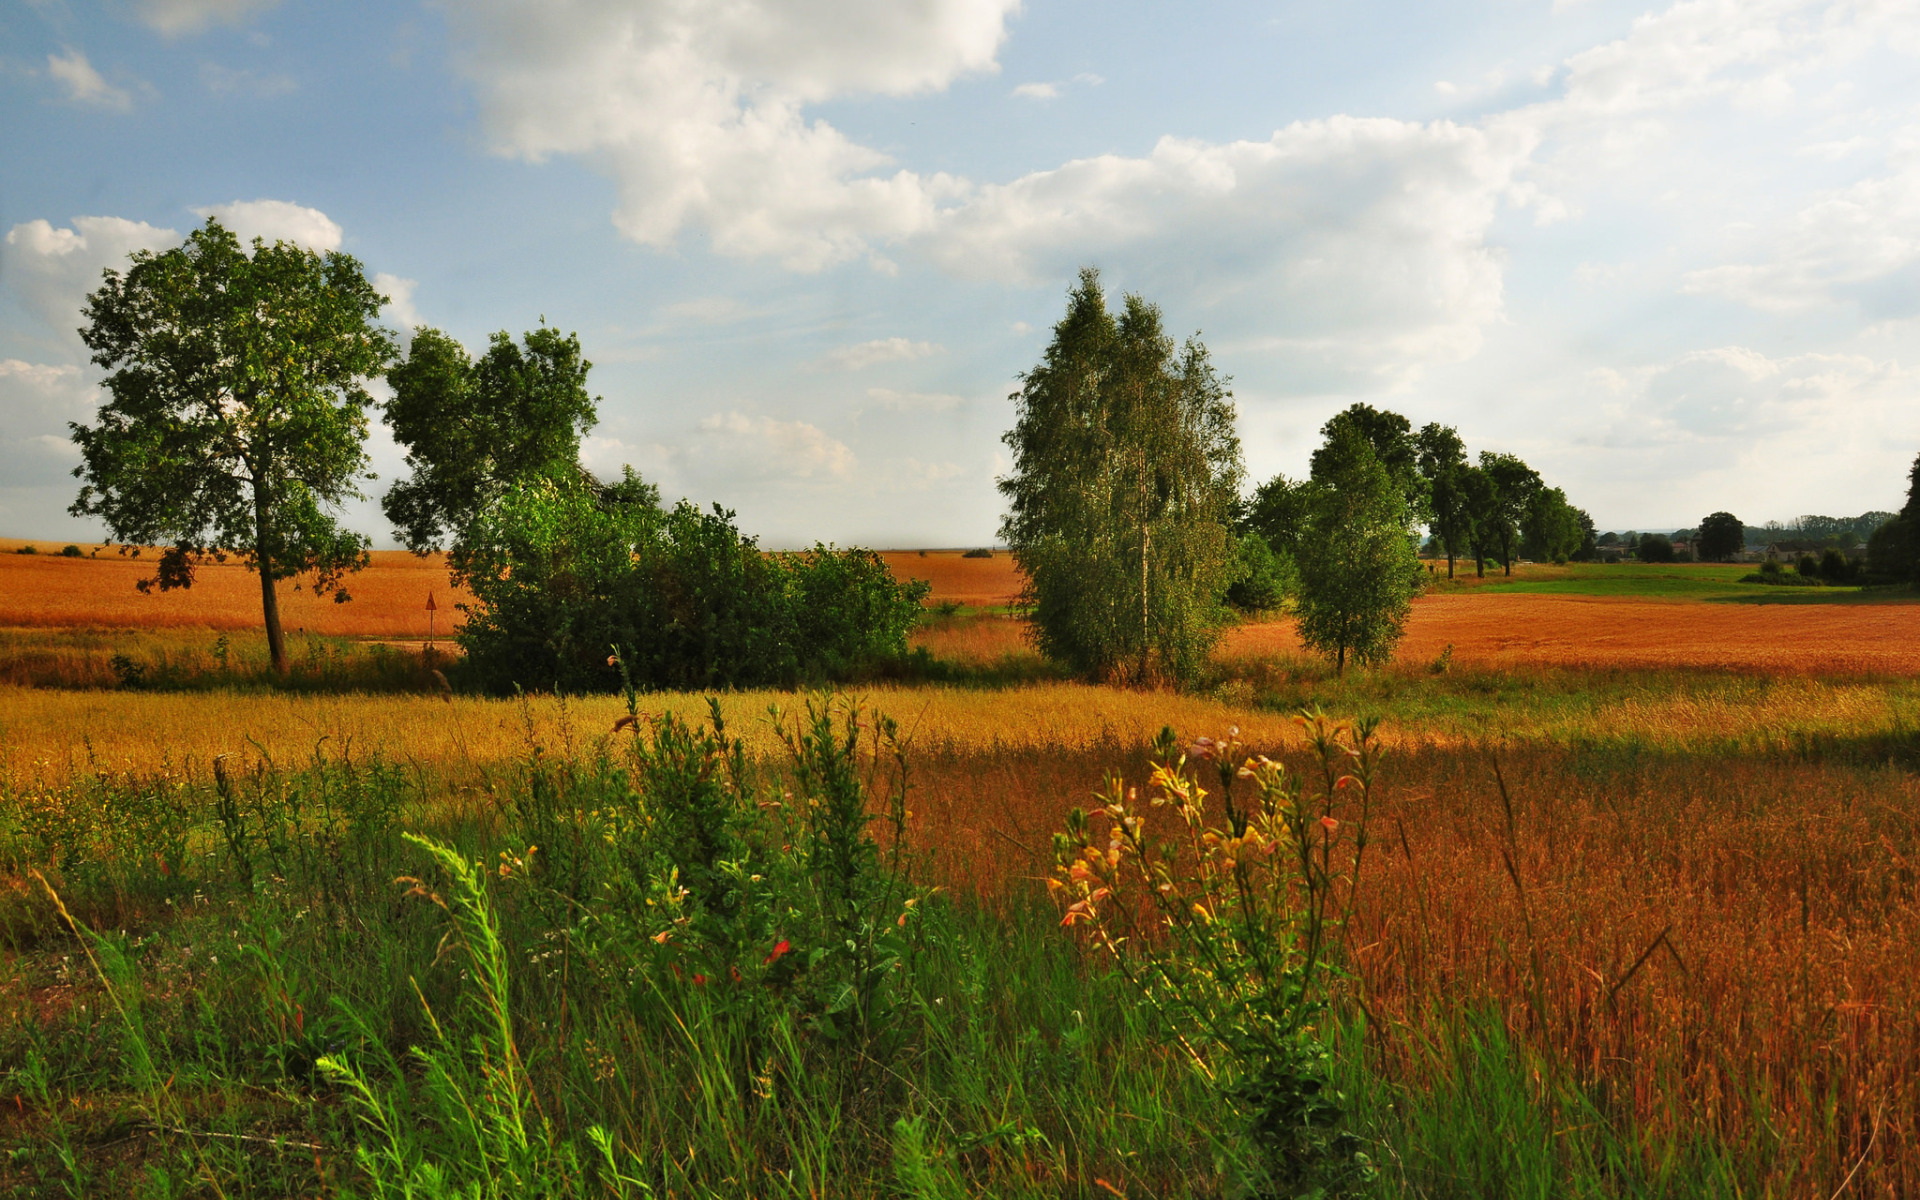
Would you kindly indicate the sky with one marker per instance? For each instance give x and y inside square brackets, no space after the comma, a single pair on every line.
[1670,255]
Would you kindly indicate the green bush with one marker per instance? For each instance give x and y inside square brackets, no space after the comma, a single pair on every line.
[70,551]
[1266,578]
[980,553]
[561,575]
[1808,567]
[1836,567]
[27,549]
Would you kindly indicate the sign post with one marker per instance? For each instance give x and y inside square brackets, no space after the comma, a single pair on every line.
[430,610]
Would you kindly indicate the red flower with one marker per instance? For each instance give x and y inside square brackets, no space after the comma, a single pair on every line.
[700,979]
[1329,824]
[778,950]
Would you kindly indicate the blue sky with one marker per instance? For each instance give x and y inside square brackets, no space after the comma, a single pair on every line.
[1670,255]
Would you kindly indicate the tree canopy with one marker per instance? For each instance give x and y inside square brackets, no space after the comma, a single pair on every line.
[473,429]
[1358,569]
[236,411]
[1442,462]
[1505,505]
[1721,538]
[1126,470]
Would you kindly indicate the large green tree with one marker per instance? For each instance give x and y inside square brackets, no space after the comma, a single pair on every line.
[474,429]
[1721,538]
[1552,530]
[1505,509]
[1391,439]
[1357,561]
[236,411]
[1126,468]
[1442,461]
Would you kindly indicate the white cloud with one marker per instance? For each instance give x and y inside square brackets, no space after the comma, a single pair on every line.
[1037,91]
[881,350]
[695,108]
[53,270]
[85,85]
[276,220]
[744,446]
[1859,245]
[399,309]
[175,17]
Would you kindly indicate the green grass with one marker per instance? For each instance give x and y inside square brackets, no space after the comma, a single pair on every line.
[1719,582]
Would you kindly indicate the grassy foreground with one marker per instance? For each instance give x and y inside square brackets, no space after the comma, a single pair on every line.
[1655,943]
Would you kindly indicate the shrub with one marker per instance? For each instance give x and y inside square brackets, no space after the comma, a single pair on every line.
[560,576]
[1808,566]
[1266,579]
[1835,567]
[979,553]
[1655,548]
[70,551]
[29,548]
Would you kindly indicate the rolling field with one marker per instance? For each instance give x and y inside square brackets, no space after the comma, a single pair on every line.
[1636,917]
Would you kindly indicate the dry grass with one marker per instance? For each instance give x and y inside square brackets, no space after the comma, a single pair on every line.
[389,598]
[1521,631]
[975,582]
[1780,1014]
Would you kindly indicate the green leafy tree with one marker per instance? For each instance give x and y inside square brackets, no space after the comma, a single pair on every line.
[1357,562]
[236,417]
[1552,530]
[475,428]
[1514,485]
[1442,462]
[1482,499]
[1126,470]
[1266,579]
[1390,436]
[1655,548]
[1890,552]
[1721,538]
[1278,513]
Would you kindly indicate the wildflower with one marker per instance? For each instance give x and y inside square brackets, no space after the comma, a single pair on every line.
[663,935]
[613,660]
[1330,825]
[700,980]
[780,949]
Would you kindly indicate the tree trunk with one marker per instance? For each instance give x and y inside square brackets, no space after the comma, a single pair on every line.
[1506,552]
[1449,563]
[269,602]
[1146,626]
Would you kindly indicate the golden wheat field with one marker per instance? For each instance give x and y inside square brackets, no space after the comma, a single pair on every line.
[1673,846]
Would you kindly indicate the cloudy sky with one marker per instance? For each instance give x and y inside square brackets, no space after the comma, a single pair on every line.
[1669,255]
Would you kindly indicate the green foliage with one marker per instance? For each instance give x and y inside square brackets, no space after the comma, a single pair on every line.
[1126,470]
[1278,513]
[475,428]
[1655,548]
[1442,462]
[70,551]
[1836,567]
[1358,567]
[1266,579]
[1721,538]
[559,575]
[978,552]
[1505,504]
[29,548]
[1891,556]
[1390,437]
[1807,567]
[237,408]
[1552,530]
[1224,930]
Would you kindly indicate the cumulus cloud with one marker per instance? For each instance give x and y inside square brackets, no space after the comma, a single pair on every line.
[1858,245]
[399,311]
[276,220]
[1037,91]
[37,400]
[695,109]
[763,447]
[1710,428]
[176,17]
[880,350]
[52,270]
[85,85]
